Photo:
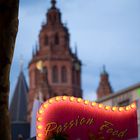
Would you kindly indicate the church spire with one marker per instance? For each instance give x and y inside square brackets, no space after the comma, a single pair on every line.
[18,107]
[53,2]
[53,15]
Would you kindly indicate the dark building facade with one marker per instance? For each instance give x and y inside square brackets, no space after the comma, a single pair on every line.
[54,69]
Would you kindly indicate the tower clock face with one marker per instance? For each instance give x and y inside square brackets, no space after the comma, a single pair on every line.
[39,65]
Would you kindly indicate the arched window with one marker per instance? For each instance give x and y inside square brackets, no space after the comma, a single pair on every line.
[66,38]
[46,40]
[63,74]
[45,71]
[54,74]
[56,39]
[50,18]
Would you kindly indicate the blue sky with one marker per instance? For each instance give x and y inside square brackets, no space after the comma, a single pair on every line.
[105,31]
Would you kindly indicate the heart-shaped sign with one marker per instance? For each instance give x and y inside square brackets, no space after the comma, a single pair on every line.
[77,119]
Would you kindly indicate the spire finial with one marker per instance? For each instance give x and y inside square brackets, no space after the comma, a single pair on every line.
[76,52]
[104,70]
[33,52]
[53,3]
[21,63]
[36,48]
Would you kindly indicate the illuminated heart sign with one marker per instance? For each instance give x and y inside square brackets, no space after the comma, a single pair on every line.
[78,119]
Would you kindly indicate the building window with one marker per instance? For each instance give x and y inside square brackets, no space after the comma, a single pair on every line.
[66,38]
[50,18]
[45,71]
[56,39]
[46,40]
[124,103]
[63,74]
[54,74]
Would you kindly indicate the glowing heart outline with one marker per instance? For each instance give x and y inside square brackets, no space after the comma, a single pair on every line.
[41,133]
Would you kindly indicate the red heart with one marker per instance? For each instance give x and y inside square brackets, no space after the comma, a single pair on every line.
[79,119]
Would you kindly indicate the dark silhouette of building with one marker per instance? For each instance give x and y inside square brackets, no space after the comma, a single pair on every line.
[104,88]
[59,70]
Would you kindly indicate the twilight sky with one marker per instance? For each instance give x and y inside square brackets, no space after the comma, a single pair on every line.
[105,31]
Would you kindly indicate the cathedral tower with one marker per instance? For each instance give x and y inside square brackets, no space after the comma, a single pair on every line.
[104,88]
[54,69]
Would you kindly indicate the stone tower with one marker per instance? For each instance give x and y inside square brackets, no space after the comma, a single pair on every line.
[54,69]
[104,88]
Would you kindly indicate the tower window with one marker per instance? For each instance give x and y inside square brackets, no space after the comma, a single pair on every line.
[45,71]
[66,38]
[50,18]
[63,74]
[54,74]
[46,40]
[56,39]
